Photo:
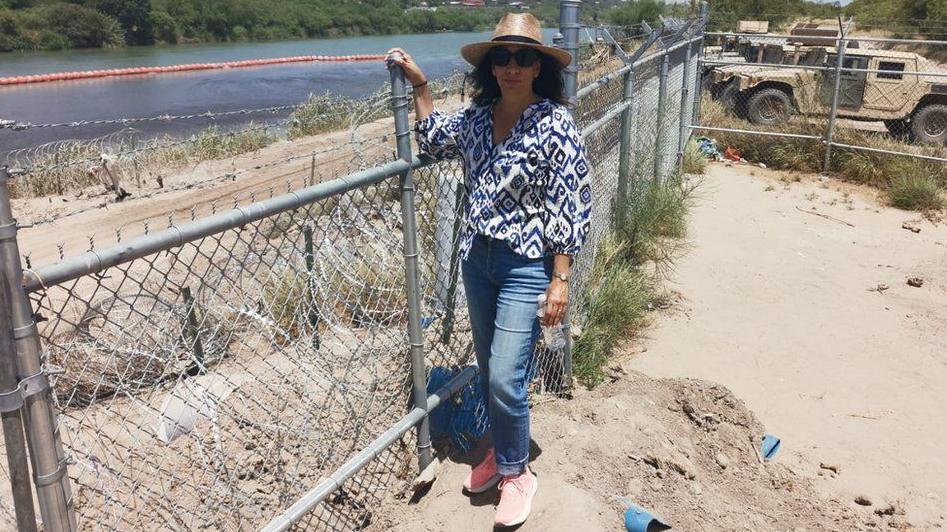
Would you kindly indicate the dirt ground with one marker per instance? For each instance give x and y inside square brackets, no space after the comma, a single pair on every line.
[809,320]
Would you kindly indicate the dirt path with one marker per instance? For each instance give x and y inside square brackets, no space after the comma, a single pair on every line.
[783,308]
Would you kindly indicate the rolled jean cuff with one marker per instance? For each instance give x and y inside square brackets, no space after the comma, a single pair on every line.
[512,469]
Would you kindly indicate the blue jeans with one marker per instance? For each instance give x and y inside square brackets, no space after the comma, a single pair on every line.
[502,289]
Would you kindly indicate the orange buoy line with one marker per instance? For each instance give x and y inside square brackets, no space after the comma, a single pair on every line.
[89,74]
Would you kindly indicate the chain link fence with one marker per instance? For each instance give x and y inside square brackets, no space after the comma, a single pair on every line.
[871,109]
[291,362]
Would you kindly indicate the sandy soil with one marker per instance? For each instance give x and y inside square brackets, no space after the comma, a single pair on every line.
[807,319]
[784,308]
[681,448]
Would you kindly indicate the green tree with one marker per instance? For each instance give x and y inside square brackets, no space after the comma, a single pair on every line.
[134,16]
[633,13]
[164,27]
[83,27]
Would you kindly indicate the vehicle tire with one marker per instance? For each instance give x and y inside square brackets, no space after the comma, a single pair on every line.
[899,129]
[707,83]
[929,124]
[728,97]
[769,107]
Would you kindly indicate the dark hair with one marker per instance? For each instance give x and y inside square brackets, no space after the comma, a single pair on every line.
[486,90]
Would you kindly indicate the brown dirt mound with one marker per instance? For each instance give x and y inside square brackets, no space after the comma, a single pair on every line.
[681,448]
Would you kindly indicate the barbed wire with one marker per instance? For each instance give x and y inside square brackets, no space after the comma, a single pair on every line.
[359,148]
[234,175]
[16,155]
[14,125]
[24,126]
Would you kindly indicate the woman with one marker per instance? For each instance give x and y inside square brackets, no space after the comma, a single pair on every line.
[526,214]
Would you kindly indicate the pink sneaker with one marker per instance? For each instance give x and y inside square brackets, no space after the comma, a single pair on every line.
[484,476]
[516,498]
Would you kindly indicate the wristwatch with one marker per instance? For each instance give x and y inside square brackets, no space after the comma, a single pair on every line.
[564,277]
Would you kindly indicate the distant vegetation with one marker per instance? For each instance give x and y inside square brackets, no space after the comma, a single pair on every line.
[52,25]
[900,17]
[905,18]
[58,24]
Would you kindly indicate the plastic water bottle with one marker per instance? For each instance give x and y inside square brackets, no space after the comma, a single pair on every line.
[553,335]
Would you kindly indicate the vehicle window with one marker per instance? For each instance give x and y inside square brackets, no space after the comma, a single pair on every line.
[893,66]
[853,62]
[813,58]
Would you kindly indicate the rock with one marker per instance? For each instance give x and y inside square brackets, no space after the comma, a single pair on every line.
[916,282]
[684,467]
[831,467]
[886,510]
[696,488]
[427,476]
[899,524]
[911,227]
[862,500]
[722,460]
[573,432]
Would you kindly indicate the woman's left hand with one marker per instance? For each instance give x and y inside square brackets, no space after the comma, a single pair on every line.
[557,299]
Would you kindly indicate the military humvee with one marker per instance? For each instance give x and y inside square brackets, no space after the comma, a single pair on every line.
[896,91]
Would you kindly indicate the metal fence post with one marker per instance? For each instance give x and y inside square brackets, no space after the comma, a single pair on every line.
[48,460]
[702,18]
[11,406]
[312,312]
[399,102]
[830,132]
[624,148]
[662,102]
[685,92]
[569,27]
[453,267]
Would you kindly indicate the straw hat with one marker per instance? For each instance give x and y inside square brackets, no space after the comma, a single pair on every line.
[522,29]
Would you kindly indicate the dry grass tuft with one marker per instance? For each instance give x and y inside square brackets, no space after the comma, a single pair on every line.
[911,183]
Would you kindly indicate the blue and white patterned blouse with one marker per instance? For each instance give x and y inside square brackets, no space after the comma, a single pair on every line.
[533,190]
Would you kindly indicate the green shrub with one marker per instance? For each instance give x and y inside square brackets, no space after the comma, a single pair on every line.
[211,143]
[913,178]
[321,113]
[915,193]
[621,290]
[286,298]
[657,215]
[694,161]
[618,308]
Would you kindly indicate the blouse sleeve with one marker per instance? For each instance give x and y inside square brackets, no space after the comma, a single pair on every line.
[438,134]
[568,188]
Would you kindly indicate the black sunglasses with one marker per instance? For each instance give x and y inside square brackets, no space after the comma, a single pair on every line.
[525,57]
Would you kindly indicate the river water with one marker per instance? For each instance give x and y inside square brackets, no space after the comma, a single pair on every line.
[201,91]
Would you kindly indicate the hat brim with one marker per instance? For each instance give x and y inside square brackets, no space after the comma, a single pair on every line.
[475,52]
